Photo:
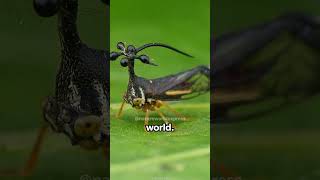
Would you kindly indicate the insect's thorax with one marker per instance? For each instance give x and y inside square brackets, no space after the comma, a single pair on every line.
[137,94]
[81,85]
[139,100]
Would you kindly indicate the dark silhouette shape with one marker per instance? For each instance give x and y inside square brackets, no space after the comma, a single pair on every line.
[80,106]
[238,78]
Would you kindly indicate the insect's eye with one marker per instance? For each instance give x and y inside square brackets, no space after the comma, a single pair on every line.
[114,56]
[137,101]
[145,59]
[107,2]
[124,62]
[46,8]
[121,46]
[87,126]
[131,49]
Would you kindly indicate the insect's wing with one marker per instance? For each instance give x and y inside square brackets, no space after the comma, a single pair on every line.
[279,58]
[183,85]
[235,47]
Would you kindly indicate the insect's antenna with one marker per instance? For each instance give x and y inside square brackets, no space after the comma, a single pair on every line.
[162,45]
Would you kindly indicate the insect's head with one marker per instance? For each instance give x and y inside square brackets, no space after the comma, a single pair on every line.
[82,128]
[130,53]
[138,102]
[48,8]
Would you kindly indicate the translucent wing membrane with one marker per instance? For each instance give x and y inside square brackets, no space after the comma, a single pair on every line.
[276,59]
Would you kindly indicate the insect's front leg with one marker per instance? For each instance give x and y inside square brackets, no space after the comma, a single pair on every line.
[33,158]
[28,169]
[30,165]
[121,107]
[146,119]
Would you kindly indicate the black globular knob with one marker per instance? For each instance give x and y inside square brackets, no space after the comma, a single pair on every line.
[145,59]
[114,56]
[131,49]
[46,8]
[121,46]
[107,2]
[124,62]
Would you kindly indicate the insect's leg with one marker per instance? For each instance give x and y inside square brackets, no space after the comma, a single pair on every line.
[33,158]
[31,163]
[121,109]
[162,116]
[174,111]
[146,119]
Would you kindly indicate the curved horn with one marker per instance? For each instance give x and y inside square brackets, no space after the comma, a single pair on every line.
[161,45]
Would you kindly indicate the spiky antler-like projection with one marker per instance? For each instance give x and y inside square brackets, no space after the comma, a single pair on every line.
[131,53]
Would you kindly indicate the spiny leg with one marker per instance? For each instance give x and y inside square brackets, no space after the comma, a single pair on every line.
[174,111]
[33,158]
[121,109]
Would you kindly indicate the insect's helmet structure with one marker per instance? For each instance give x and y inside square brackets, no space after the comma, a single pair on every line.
[79,106]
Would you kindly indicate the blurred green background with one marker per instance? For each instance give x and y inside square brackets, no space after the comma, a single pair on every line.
[183,154]
[29,58]
[280,145]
